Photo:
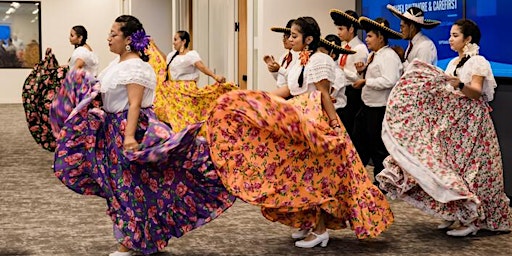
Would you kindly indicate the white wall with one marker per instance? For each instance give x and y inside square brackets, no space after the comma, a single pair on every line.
[157,20]
[277,13]
[57,18]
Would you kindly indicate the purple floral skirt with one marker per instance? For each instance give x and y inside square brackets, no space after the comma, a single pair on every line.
[165,189]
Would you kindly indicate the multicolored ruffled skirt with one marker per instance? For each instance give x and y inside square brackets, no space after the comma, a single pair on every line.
[444,153]
[165,189]
[283,156]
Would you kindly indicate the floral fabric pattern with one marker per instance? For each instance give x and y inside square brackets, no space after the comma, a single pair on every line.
[283,156]
[180,103]
[444,152]
[165,189]
[39,90]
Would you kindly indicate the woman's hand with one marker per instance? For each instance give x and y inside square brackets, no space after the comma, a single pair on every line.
[130,144]
[454,82]
[219,79]
[335,125]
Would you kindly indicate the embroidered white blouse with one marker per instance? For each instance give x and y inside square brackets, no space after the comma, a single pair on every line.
[183,67]
[319,67]
[117,75]
[476,65]
[90,59]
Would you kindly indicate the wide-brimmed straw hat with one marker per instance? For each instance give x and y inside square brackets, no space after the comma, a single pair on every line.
[415,15]
[342,18]
[281,30]
[332,45]
[369,24]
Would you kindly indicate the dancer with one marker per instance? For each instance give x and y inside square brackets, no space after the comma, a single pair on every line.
[348,24]
[42,88]
[280,69]
[83,55]
[420,46]
[444,153]
[381,72]
[157,184]
[293,158]
[179,101]
[67,97]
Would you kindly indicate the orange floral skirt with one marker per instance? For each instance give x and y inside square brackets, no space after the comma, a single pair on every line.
[283,156]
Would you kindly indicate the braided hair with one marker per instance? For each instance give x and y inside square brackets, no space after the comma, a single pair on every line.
[467,28]
[184,35]
[308,27]
[80,32]
[130,25]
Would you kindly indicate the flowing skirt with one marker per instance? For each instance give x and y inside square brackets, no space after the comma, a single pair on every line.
[283,156]
[180,103]
[165,189]
[38,92]
[444,152]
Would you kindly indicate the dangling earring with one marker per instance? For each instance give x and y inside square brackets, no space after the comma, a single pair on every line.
[304,55]
[128,48]
[182,48]
[465,48]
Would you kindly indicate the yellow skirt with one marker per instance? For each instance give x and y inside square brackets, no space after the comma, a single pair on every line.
[180,103]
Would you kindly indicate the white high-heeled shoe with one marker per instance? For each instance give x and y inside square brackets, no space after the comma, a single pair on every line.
[445,224]
[471,229]
[321,239]
[118,253]
[301,233]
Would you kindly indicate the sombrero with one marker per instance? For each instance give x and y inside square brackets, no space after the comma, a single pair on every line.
[342,18]
[369,24]
[415,15]
[336,47]
[281,30]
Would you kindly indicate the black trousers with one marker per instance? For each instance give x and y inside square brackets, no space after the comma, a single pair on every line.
[367,137]
[349,112]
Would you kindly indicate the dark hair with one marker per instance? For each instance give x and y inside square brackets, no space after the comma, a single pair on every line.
[333,39]
[289,25]
[375,30]
[184,35]
[467,28]
[308,27]
[80,32]
[130,25]
[351,24]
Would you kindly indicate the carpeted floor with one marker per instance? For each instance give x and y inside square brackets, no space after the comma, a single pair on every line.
[40,216]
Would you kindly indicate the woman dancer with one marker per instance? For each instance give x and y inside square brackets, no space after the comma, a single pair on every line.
[157,184]
[179,101]
[294,158]
[444,153]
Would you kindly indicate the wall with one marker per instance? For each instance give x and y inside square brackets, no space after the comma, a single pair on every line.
[57,18]
[277,13]
[157,20]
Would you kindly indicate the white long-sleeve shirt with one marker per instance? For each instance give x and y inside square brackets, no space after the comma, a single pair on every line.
[381,75]
[281,74]
[361,55]
[423,49]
